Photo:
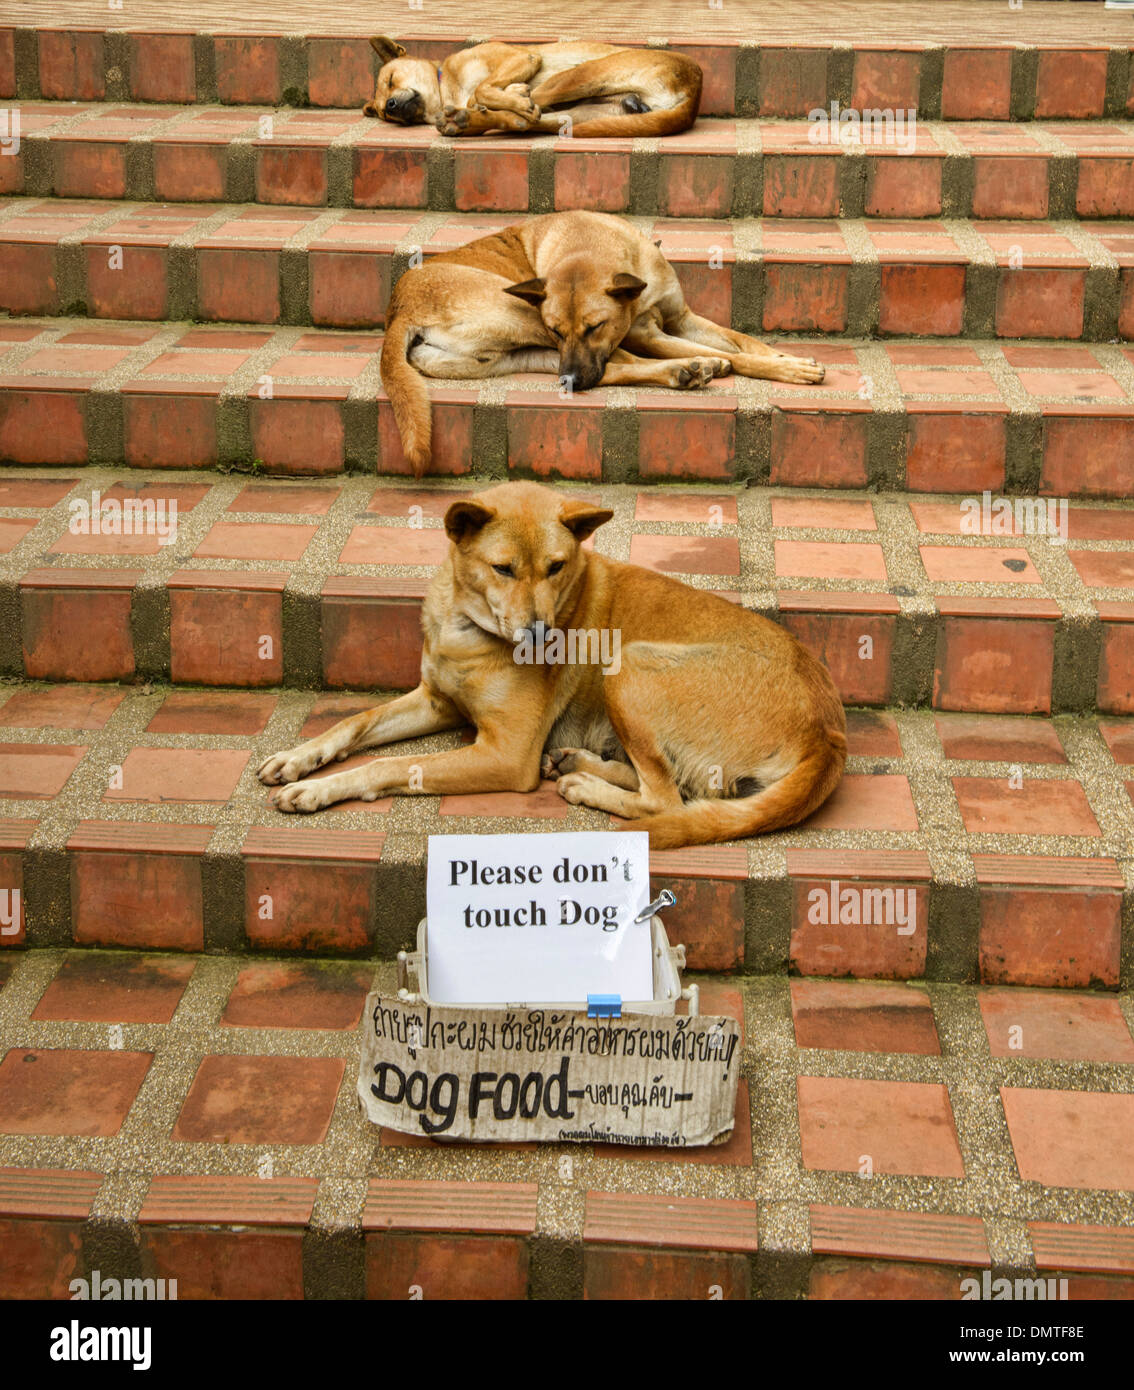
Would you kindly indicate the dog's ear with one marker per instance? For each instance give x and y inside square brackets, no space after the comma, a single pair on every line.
[466,517]
[625,288]
[532,292]
[581,518]
[386,48]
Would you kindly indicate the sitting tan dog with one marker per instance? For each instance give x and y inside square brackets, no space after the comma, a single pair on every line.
[583,89]
[713,723]
[581,294]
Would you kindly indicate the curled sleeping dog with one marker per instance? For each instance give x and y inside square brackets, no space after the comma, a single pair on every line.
[534,88]
[714,723]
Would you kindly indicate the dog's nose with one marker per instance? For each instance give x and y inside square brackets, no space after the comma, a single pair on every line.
[391,106]
[571,381]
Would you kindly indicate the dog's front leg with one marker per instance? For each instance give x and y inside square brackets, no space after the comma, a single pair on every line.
[414,715]
[481,767]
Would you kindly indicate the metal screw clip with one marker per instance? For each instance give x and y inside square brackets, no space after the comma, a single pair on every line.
[664,899]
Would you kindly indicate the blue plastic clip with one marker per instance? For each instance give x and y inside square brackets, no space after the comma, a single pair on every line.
[604,1005]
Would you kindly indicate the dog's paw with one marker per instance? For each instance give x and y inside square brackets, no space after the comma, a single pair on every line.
[693,374]
[557,762]
[577,788]
[300,796]
[289,766]
[721,366]
[801,370]
[454,120]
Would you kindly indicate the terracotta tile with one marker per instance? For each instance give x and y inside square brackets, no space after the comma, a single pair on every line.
[826,512]
[298,994]
[446,1266]
[1046,1023]
[395,545]
[1095,524]
[865,802]
[224,636]
[697,508]
[100,987]
[922,299]
[736,1151]
[802,298]
[260,1100]
[977,84]
[223,1264]
[1070,83]
[901,1126]
[998,740]
[1071,1138]
[955,564]
[212,712]
[166,429]
[544,802]
[165,775]
[1104,569]
[860,1016]
[306,437]
[611,1273]
[872,734]
[597,181]
[695,442]
[68,1091]
[793,80]
[13,530]
[830,560]
[1002,665]
[989,805]
[1010,186]
[36,770]
[238,540]
[1119,738]
[34,492]
[862,675]
[60,707]
[881,1279]
[306,501]
[1056,937]
[372,634]
[1083,386]
[686,554]
[1039,303]
[490,180]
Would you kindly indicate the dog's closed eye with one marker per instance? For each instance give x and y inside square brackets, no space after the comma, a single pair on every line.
[555,567]
[505,570]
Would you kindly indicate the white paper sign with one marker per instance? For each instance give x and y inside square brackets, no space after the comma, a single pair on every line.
[538,919]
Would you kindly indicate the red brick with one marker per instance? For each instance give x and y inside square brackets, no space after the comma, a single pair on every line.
[178,775]
[977,84]
[60,707]
[836,638]
[717,62]
[967,448]
[89,168]
[137,289]
[887,79]
[1105,188]
[68,1091]
[859,1016]
[698,440]
[1071,1138]
[162,68]
[452,435]
[390,178]
[922,299]
[1000,665]
[71,66]
[597,181]
[1115,689]
[79,633]
[241,286]
[395,545]
[1040,303]
[619,1274]
[28,282]
[805,298]
[999,740]
[882,1279]
[260,1100]
[348,289]
[230,1265]
[903,187]
[247,70]
[553,441]
[298,994]
[1010,186]
[137,886]
[707,288]
[1049,936]
[695,185]
[288,880]
[805,185]
[295,175]
[901,1126]
[372,633]
[189,173]
[100,987]
[169,430]
[7,62]
[443,1266]
[490,180]
[298,436]
[864,801]
[39,1259]
[708,917]
[1088,457]
[793,81]
[921,1236]
[339,72]
[1071,83]
[217,631]
[872,734]
[36,770]
[823,448]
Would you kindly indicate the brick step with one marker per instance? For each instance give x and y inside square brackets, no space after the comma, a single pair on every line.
[313,585]
[958,847]
[721,168]
[334,268]
[1020,417]
[1050,70]
[195,1119]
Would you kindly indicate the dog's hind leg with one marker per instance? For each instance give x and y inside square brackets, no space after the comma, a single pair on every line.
[408,716]
[559,762]
[690,334]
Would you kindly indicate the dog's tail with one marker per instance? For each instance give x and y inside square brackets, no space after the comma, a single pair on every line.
[785,802]
[642,125]
[408,395]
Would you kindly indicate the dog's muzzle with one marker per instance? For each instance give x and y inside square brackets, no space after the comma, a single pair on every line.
[406,109]
[581,376]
